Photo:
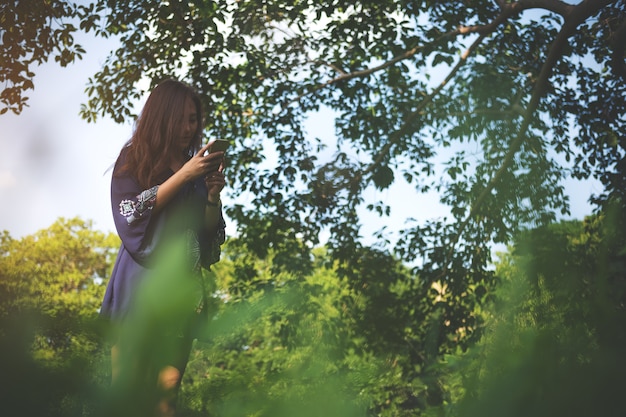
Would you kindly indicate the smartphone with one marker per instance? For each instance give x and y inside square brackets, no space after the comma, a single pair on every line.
[220,145]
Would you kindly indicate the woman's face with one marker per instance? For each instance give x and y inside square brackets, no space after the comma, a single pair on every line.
[188,125]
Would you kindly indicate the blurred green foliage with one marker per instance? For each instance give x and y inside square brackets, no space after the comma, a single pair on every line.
[324,341]
[51,286]
[557,333]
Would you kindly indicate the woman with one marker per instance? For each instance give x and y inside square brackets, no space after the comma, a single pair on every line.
[164,190]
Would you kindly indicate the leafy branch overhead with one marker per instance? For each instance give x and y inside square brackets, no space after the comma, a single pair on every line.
[33,33]
[491,104]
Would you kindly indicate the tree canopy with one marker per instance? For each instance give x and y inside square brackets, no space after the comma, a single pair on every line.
[513,96]
[33,32]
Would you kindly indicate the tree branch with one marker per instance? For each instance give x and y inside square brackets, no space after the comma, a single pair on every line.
[508,10]
[397,135]
[557,6]
[356,74]
[576,16]
[618,40]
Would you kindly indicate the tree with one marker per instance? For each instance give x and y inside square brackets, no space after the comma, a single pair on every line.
[513,95]
[522,90]
[51,287]
[527,82]
[60,269]
[32,32]
[557,331]
[316,342]
[276,344]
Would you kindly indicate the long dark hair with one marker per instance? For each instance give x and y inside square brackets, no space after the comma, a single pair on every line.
[149,150]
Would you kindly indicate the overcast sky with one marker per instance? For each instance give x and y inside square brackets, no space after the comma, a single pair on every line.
[54,164]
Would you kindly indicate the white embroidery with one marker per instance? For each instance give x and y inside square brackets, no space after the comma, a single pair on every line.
[127,207]
[146,200]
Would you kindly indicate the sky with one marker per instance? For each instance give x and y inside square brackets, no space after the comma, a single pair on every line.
[54,164]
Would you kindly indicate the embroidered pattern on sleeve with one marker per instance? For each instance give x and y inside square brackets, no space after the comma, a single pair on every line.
[133,210]
[127,207]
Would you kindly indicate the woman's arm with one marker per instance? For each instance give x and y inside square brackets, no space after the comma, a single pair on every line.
[197,166]
[215,182]
[214,227]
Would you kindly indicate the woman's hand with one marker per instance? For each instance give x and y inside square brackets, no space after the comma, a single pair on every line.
[200,165]
[209,166]
[215,182]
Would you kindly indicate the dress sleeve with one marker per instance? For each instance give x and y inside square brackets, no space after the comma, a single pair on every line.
[133,215]
[211,242]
